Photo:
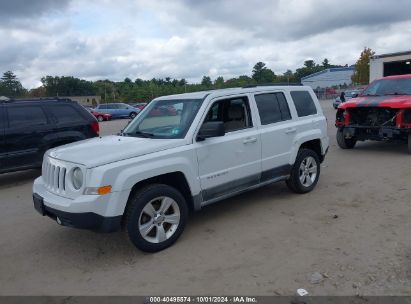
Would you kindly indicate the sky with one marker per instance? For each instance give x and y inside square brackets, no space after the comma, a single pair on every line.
[115,39]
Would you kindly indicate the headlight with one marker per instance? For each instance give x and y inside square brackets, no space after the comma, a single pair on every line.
[77,178]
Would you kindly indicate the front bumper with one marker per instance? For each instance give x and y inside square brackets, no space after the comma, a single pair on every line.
[93,212]
[375,133]
[86,220]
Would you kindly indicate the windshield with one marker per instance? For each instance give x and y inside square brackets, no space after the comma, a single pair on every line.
[400,86]
[164,119]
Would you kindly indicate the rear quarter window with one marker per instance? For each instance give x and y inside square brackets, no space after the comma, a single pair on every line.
[304,103]
[65,113]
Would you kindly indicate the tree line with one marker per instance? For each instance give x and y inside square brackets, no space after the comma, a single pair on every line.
[145,90]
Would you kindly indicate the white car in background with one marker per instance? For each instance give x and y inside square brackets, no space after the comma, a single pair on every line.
[348,95]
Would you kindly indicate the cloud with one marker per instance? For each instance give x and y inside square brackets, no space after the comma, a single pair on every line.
[10,9]
[188,39]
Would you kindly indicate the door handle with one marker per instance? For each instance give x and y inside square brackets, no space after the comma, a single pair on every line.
[290,130]
[250,140]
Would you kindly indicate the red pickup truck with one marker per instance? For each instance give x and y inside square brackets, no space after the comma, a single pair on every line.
[382,112]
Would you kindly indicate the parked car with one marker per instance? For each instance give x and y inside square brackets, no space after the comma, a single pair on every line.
[118,110]
[28,128]
[224,142]
[382,112]
[348,95]
[140,105]
[163,111]
[100,116]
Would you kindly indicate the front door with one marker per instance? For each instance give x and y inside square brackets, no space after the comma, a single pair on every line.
[232,162]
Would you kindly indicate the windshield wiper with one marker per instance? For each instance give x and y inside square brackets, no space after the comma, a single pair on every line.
[143,134]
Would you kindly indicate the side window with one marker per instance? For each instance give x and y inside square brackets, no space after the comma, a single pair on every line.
[272,108]
[285,110]
[235,113]
[303,103]
[65,113]
[268,108]
[26,116]
[102,107]
[122,106]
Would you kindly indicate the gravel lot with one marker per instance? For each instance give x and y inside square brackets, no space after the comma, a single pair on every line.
[353,229]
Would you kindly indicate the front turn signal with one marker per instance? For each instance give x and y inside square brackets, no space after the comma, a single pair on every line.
[104,190]
[97,190]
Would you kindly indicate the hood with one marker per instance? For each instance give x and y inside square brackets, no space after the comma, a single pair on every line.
[388,101]
[103,150]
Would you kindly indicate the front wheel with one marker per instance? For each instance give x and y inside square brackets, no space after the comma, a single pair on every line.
[345,143]
[409,143]
[100,118]
[305,172]
[156,217]
[132,115]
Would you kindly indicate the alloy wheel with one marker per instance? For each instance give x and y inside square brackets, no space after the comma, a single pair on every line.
[159,219]
[308,171]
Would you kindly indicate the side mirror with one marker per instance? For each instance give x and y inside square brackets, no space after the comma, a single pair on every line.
[211,129]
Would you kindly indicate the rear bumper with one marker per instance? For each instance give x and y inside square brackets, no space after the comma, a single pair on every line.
[86,220]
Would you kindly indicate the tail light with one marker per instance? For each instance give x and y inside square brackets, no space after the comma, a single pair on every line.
[95,127]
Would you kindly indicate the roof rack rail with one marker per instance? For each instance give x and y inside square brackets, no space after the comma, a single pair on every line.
[9,100]
[272,84]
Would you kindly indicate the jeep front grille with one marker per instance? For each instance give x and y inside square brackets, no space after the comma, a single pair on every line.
[54,177]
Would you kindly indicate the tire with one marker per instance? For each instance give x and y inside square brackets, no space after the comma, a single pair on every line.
[147,228]
[409,143]
[345,143]
[100,118]
[132,115]
[305,172]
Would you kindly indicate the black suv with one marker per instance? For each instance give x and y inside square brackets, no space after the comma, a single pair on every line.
[30,127]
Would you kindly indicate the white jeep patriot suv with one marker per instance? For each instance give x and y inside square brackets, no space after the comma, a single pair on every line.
[181,153]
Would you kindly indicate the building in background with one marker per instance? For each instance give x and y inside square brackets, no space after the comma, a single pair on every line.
[390,64]
[329,78]
[87,101]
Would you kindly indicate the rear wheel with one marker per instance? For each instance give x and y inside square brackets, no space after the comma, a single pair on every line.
[345,143]
[305,172]
[100,118]
[156,217]
[409,143]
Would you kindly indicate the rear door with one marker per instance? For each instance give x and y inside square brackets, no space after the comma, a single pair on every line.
[277,134]
[123,110]
[3,152]
[112,109]
[27,125]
